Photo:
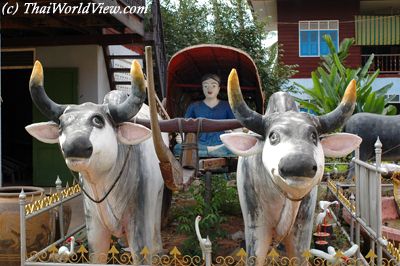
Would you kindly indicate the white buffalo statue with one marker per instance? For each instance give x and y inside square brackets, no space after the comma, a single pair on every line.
[280,165]
[116,161]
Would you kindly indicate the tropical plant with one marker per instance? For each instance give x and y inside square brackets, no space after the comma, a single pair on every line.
[332,77]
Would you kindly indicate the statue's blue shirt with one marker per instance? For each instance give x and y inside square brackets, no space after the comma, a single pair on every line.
[201,110]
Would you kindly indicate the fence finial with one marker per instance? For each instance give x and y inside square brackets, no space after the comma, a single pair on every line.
[378,144]
[58,181]
[22,195]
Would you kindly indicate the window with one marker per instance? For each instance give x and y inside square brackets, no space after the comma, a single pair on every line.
[311,42]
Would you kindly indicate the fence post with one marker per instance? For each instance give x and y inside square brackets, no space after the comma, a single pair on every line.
[378,156]
[358,199]
[22,227]
[60,209]
[352,199]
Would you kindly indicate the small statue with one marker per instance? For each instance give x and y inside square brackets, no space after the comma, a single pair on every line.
[324,205]
[64,253]
[205,243]
[209,143]
[335,258]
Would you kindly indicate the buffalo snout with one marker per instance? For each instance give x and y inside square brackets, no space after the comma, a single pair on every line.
[78,147]
[297,165]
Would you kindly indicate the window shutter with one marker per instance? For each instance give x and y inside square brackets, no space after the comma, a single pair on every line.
[314,42]
[308,43]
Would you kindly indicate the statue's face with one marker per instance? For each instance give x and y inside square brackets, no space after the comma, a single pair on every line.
[210,88]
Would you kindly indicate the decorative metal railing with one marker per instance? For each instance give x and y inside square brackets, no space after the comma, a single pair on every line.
[175,257]
[47,203]
[119,256]
[339,194]
[386,63]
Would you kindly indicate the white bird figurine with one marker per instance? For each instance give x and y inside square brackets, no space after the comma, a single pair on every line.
[205,243]
[321,219]
[323,204]
[333,257]
[63,252]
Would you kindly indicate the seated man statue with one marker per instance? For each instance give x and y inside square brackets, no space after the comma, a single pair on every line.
[209,143]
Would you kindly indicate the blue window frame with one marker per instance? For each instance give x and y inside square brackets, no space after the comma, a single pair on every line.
[311,42]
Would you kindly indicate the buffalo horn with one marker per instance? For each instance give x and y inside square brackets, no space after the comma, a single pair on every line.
[129,108]
[343,111]
[247,117]
[45,105]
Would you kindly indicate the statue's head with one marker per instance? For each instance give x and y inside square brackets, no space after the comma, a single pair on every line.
[211,85]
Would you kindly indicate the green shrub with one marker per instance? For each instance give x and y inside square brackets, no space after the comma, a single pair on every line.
[224,200]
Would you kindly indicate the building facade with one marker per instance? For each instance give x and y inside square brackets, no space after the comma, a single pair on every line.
[375,26]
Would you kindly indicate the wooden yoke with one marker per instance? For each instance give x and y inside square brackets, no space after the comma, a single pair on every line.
[192,125]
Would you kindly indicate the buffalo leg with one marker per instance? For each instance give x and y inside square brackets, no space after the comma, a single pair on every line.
[258,241]
[99,241]
[289,246]
[262,246]
[302,229]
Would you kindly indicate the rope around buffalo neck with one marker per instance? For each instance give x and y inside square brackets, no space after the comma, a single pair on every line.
[286,195]
[112,186]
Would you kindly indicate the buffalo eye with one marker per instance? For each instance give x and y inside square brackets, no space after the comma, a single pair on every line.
[98,121]
[274,138]
[314,138]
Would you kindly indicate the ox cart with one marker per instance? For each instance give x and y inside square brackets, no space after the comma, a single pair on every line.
[184,73]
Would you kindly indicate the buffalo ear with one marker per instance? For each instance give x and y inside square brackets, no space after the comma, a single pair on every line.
[242,144]
[132,134]
[47,132]
[339,144]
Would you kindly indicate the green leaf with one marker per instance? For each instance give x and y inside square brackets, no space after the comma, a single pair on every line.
[371,78]
[344,48]
[327,38]
[369,103]
[318,90]
[338,64]
[367,66]
[384,90]
[390,110]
